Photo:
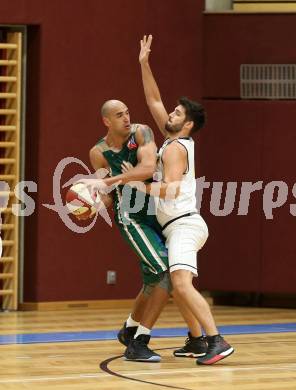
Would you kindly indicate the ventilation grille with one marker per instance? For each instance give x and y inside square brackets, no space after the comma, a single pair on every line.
[268,81]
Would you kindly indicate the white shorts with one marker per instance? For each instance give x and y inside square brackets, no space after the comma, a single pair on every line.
[184,238]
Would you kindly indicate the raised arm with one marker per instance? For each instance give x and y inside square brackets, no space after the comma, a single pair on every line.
[151,90]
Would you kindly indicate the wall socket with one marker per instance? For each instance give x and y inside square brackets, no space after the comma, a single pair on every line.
[111,277]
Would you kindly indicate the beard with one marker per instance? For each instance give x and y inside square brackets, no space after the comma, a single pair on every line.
[172,129]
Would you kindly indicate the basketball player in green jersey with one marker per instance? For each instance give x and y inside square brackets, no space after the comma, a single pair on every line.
[134,144]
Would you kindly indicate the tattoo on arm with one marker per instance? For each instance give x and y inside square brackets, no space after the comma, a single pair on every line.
[147,134]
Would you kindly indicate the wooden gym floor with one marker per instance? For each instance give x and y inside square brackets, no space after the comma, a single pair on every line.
[41,350]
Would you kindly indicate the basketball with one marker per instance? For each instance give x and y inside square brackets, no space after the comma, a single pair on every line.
[84,202]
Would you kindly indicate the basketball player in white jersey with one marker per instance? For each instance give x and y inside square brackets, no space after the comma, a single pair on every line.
[184,229]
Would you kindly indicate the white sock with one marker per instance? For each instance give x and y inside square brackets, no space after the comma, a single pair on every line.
[130,322]
[142,330]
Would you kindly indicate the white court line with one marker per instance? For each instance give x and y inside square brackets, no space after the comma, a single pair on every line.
[55,356]
[23,357]
[288,366]
[52,378]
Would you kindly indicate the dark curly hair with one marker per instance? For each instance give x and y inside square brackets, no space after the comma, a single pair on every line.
[194,112]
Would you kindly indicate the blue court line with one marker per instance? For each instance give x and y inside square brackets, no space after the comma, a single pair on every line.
[58,337]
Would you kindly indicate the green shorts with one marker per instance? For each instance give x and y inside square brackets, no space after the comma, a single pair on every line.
[143,234]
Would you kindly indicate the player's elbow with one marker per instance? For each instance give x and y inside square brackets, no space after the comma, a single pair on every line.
[172,191]
[150,101]
[175,194]
[150,169]
[92,157]
[91,152]
[153,102]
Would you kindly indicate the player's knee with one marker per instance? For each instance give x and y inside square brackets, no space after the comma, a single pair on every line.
[179,283]
[147,289]
[179,289]
[164,283]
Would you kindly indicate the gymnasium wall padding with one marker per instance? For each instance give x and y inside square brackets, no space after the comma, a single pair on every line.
[249,142]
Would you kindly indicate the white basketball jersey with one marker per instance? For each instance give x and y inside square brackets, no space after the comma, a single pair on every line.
[186,200]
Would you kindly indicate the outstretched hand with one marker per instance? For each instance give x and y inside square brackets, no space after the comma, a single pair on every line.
[95,185]
[145,48]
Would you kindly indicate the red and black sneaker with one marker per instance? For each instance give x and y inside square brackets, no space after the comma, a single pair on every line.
[194,347]
[218,349]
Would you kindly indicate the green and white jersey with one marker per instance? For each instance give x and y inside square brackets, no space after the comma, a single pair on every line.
[128,153]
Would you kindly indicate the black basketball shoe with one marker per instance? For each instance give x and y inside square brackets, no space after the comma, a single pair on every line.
[126,334]
[138,350]
[194,347]
[218,349]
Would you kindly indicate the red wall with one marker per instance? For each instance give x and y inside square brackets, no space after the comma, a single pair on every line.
[249,253]
[81,53]
[248,141]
